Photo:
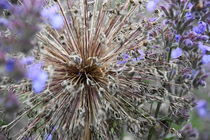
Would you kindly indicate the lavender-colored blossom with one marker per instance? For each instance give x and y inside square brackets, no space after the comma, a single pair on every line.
[142,56]
[188,42]
[189,16]
[56,21]
[206,59]
[37,76]
[203,48]
[190,5]
[10,65]
[126,56]
[27,60]
[52,16]
[48,137]
[4,4]
[204,37]
[188,132]
[176,53]
[202,109]
[200,28]
[4,21]
[122,62]
[151,5]
[177,38]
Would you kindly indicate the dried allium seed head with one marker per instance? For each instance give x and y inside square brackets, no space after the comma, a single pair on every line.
[88,93]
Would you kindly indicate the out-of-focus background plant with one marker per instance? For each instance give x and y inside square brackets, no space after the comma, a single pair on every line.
[141,68]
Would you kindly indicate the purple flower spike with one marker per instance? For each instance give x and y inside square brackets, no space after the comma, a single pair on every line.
[4,22]
[176,53]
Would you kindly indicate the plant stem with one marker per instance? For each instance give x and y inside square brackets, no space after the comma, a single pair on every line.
[152,129]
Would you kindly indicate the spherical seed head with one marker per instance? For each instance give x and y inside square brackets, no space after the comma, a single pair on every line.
[88,93]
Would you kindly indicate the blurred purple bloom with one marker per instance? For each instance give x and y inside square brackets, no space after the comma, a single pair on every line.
[126,56]
[48,137]
[203,48]
[188,42]
[27,60]
[4,22]
[4,4]
[202,109]
[37,76]
[122,62]
[204,37]
[206,59]
[56,21]
[52,16]
[137,59]
[10,65]
[189,133]
[190,5]
[142,54]
[200,28]
[177,38]
[176,53]
[151,5]
[189,16]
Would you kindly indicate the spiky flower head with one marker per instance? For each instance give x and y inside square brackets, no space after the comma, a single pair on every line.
[89,95]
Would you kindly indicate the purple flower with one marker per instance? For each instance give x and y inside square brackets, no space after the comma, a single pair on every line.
[48,137]
[28,60]
[203,48]
[4,22]
[188,16]
[122,62]
[126,56]
[37,76]
[10,65]
[190,5]
[206,59]
[204,37]
[202,109]
[56,21]
[52,16]
[188,42]
[151,5]
[4,4]
[177,38]
[176,53]
[200,28]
